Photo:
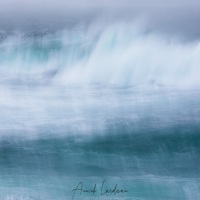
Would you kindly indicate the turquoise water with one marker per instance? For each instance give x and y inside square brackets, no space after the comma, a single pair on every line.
[73,111]
[148,146]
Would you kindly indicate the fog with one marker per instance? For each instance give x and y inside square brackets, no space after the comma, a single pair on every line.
[177,17]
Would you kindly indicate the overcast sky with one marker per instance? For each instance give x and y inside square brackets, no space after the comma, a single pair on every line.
[170,16]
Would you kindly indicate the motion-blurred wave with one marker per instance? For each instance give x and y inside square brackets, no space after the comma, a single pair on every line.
[122,54]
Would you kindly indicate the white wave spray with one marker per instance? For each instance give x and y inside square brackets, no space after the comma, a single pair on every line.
[120,54]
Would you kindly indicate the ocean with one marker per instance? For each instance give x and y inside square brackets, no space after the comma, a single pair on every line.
[99,112]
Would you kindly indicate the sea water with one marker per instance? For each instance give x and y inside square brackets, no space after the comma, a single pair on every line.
[88,113]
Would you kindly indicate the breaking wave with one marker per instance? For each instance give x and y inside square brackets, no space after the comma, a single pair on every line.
[122,54]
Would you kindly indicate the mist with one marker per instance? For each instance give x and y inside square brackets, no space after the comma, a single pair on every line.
[174,18]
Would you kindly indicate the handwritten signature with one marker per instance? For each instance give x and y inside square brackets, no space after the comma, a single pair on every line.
[79,189]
